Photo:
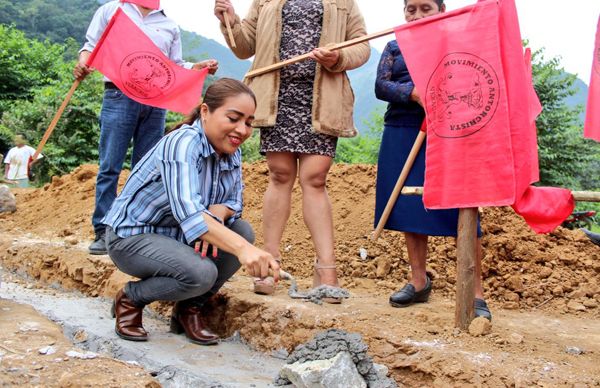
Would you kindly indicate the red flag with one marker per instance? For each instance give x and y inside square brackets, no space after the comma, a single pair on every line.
[152,4]
[132,61]
[478,94]
[459,76]
[592,115]
[545,208]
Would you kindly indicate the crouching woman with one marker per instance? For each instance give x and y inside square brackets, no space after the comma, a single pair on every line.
[176,225]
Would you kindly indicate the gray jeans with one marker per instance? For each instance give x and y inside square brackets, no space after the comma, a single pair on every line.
[171,270]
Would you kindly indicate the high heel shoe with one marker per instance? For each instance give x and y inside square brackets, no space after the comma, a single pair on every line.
[317,281]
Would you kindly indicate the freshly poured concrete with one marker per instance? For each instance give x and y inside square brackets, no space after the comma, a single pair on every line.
[171,358]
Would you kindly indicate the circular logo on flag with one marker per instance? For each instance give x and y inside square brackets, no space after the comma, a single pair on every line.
[146,75]
[462,95]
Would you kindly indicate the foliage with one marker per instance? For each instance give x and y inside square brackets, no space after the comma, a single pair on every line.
[365,147]
[566,159]
[26,65]
[56,20]
[75,139]
[251,148]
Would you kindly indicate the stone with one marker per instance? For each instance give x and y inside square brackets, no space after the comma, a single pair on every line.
[515,339]
[362,252]
[480,326]
[47,350]
[71,240]
[574,350]
[515,283]
[575,306]
[8,202]
[545,272]
[336,372]
[383,267]
[512,297]
[590,303]
[558,291]
[80,336]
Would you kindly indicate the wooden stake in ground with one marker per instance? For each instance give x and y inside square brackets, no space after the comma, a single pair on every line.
[465,267]
[229,31]
[399,184]
[54,121]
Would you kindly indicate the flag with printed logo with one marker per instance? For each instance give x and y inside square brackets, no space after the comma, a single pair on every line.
[477,91]
[139,69]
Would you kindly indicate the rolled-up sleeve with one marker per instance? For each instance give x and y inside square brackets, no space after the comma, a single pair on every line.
[97,26]
[177,162]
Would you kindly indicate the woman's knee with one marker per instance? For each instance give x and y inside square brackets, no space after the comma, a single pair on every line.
[313,180]
[282,169]
[200,277]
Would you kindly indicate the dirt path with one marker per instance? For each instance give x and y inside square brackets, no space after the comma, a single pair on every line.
[544,291]
[418,344]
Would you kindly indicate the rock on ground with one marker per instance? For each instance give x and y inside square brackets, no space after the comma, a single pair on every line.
[328,344]
[8,202]
[480,326]
[337,372]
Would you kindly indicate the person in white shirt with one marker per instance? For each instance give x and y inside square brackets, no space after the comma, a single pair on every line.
[123,119]
[16,162]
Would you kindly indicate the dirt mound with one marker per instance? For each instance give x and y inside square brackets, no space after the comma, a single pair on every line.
[521,269]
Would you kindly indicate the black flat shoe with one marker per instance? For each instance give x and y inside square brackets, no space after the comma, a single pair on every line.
[482,309]
[408,295]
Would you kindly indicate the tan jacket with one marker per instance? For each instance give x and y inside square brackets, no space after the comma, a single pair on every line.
[259,34]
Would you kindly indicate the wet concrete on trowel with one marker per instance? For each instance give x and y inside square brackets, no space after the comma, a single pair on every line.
[171,358]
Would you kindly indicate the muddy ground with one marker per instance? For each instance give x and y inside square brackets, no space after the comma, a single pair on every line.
[544,290]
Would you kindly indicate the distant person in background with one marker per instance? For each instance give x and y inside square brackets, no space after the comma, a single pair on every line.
[302,109]
[402,122]
[123,119]
[16,163]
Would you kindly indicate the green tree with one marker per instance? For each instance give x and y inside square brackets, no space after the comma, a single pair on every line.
[26,65]
[365,147]
[566,159]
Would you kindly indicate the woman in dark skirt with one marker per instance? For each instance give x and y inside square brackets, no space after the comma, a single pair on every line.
[403,120]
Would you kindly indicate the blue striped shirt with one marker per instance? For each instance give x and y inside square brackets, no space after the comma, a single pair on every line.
[173,184]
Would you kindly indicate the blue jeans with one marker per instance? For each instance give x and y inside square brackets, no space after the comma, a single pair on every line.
[171,270]
[121,120]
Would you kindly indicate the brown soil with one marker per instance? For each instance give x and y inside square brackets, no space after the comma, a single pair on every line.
[25,331]
[553,280]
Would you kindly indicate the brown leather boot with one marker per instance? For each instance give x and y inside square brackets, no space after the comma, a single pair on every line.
[189,319]
[128,323]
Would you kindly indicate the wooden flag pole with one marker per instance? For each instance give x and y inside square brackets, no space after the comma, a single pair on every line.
[57,116]
[578,196]
[399,184]
[303,57]
[229,31]
[466,255]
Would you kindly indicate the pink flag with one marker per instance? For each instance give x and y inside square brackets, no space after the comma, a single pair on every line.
[132,61]
[477,89]
[152,4]
[592,115]
[459,76]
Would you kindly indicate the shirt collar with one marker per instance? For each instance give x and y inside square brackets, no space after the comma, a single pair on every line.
[227,162]
[136,9]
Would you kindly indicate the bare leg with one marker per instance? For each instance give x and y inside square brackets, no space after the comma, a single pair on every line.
[416,245]
[316,209]
[277,202]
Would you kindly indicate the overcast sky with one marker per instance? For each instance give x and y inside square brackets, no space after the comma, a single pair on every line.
[566,28]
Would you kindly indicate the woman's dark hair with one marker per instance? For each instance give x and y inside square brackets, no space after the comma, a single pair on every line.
[438,2]
[215,97]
